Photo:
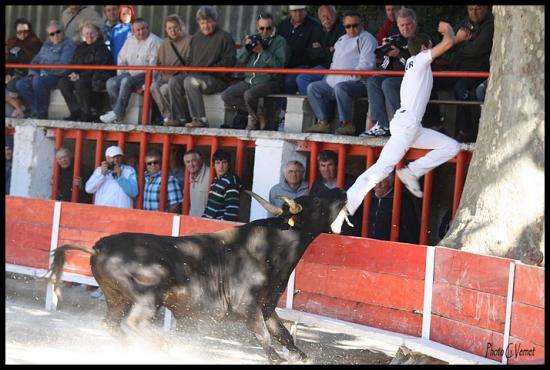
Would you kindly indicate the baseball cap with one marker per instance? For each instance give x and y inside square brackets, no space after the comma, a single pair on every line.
[296,7]
[113,151]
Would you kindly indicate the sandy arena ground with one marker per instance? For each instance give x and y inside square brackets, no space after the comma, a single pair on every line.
[74,335]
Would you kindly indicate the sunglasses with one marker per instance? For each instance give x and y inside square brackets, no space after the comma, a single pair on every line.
[55,33]
[265,28]
[354,25]
[22,32]
[152,163]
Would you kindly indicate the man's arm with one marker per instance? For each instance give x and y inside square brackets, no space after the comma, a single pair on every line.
[448,40]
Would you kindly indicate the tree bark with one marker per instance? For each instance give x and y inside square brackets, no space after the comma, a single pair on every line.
[501,211]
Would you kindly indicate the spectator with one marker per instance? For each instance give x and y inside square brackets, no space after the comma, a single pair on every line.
[81,89]
[292,186]
[389,27]
[20,48]
[474,40]
[114,183]
[74,16]
[327,164]
[210,47]
[332,29]
[9,158]
[122,30]
[262,50]
[151,190]
[381,88]
[199,175]
[35,87]
[223,200]
[111,19]
[380,214]
[354,50]
[407,130]
[141,49]
[481,89]
[175,164]
[173,51]
[66,180]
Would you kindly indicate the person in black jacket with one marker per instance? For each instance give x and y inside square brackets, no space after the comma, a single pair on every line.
[63,157]
[80,88]
[380,214]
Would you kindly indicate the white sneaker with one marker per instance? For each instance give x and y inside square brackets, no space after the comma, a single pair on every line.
[108,117]
[376,131]
[410,181]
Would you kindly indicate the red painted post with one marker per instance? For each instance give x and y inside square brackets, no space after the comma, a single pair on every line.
[99,148]
[341,169]
[397,198]
[368,199]
[76,166]
[164,170]
[58,143]
[425,219]
[147,97]
[313,163]
[187,182]
[239,165]
[459,181]
[213,148]
[141,170]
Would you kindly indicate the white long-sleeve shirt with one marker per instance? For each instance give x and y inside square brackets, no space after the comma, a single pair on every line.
[355,53]
[139,53]
[113,192]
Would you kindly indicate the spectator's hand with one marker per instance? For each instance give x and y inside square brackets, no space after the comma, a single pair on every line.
[140,90]
[331,49]
[247,40]
[77,181]
[8,78]
[316,45]
[394,52]
[117,170]
[444,28]
[74,76]
[463,35]
[258,49]
[104,168]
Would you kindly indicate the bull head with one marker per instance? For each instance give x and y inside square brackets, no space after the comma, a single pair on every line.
[294,207]
[273,209]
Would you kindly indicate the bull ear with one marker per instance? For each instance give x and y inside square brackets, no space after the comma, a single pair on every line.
[294,207]
[264,203]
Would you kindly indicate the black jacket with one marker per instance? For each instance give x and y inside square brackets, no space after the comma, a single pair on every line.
[96,53]
[473,54]
[328,39]
[300,40]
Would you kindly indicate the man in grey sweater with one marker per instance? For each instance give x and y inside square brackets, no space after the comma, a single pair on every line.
[293,185]
[209,47]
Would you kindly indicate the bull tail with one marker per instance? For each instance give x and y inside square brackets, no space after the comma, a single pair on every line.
[56,269]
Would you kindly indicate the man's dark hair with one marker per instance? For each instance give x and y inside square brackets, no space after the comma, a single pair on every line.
[140,20]
[264,16]
[22,21]
[327,155]
[415,43]
[220,155]
[353,13]
[153,153]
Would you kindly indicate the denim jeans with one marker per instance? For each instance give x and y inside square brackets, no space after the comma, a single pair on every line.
[321,97]
[381,88]
[302,81]
[120,89]
[36,92]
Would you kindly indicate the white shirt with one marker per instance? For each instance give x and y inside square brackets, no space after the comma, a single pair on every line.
[107,190]
[139,53]
[355,53]
[417,84]
[198,191]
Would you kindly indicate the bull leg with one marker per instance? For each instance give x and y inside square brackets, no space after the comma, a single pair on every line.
[117,309]
[278,330]
[255,323]
[140,320]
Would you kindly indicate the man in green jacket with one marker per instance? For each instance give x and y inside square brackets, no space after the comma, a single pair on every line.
[262,50]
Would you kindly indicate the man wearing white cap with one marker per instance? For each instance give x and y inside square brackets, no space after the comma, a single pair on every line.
[114,183]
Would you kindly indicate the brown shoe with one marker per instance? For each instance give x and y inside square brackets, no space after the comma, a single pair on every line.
[346,128]
[320,127]
[252,123]
[196,123]
[172,122]
[263,121]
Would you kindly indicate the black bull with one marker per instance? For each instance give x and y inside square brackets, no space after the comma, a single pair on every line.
[239,272]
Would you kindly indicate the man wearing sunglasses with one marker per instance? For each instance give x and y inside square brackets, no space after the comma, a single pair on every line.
[151,191]
[355,51]
[264,49]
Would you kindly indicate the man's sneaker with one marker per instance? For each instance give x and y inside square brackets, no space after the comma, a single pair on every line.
[346,128]
[252,123]
[109,117]
[410,181]
[171,122]
[96,293]
[376,131]
[263,121]
[196,123]
[320,127]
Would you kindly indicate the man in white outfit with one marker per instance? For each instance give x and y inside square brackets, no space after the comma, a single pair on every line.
[406,128]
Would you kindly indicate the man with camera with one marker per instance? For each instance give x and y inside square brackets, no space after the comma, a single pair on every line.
[394,54]
[114,183]
[262,50]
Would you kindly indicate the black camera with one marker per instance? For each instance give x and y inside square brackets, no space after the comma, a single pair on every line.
[254,41]
[395,40]
[467,25]
[110,166]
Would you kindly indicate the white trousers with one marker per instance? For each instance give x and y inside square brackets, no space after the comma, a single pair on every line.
[406,132]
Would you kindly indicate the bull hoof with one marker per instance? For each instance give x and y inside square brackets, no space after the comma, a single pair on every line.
[297,356]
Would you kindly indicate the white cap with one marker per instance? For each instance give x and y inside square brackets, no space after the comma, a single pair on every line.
[113,151]
[296,7]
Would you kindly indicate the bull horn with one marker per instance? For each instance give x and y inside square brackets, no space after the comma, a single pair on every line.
[264,203]
[294,207]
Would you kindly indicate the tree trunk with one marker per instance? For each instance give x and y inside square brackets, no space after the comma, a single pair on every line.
[501,211]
